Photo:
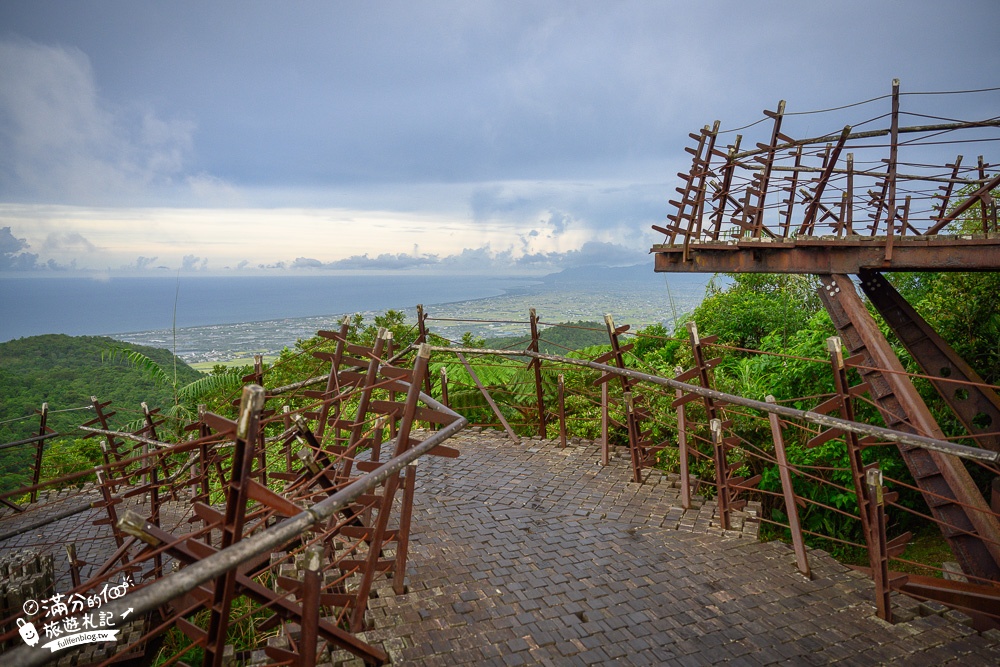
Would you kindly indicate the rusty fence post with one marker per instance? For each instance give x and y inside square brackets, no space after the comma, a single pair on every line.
[489,399]
[721,468]
[422,336]
[286,417]
[561,398]
[788,491]
[311,580]
[392,394]
[108,503]
[237,494]
[536,364]
[605,442]
[403,534]
[42,430]
[682,450]
[877,544]
[74,564]
[444,387]
[204,493]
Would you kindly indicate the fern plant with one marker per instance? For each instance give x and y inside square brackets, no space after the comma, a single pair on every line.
[186,397]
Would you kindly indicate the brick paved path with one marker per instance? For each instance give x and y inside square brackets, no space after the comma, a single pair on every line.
[528,554]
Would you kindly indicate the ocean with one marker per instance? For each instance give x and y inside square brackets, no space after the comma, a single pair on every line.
[223,318]
[83,306]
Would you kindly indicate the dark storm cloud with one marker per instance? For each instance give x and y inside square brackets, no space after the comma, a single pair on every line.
[399,91]
[12,253]
[554,123]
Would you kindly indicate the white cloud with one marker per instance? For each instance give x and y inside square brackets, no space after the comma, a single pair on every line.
[60,142]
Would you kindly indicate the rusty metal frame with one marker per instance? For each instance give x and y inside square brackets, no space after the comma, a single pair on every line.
[961,387]
[229,575]
[972,530]
[902,245]
[788,493]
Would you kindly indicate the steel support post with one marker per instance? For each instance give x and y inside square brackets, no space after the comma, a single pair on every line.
[788,493]
[682,450]
[43,429]
[976,405]
[310,606]
[247,427]
[877,550]
[561,400]
[721,485]
[605,440]
[444,386]
[489,399]
[403,536]
[965,518]
[536,365]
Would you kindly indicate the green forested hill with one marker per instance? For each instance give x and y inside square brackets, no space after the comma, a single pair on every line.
[558,339]
[65,371]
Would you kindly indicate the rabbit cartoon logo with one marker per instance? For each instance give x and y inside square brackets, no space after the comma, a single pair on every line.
[28,632]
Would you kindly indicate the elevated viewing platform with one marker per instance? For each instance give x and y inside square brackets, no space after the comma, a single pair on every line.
[832,254]
[891,199]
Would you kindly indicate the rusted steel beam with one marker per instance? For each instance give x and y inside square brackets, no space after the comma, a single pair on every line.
[422,338]
[871,134]
[561,401]
[831,255]
[247,426]
[605,438]
[946,180]
[824,178]
[311,584]
[358,427]
[979,196]
[973,599]
[763,178]
[843,402]
[111,443]
[878,555]
[379,534]
[891,178]
[722,488]
[43,430]
[31,440]
[617,353]
[682,448]
[403,535]
[975,405]
[536,364]
[332,380]
[785,215]
[489,399]
[788,492]
[972,530]
[722,191]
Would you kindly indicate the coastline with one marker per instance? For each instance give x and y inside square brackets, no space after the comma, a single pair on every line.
[219,320]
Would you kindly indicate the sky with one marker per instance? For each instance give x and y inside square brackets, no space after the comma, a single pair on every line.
[470,136]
